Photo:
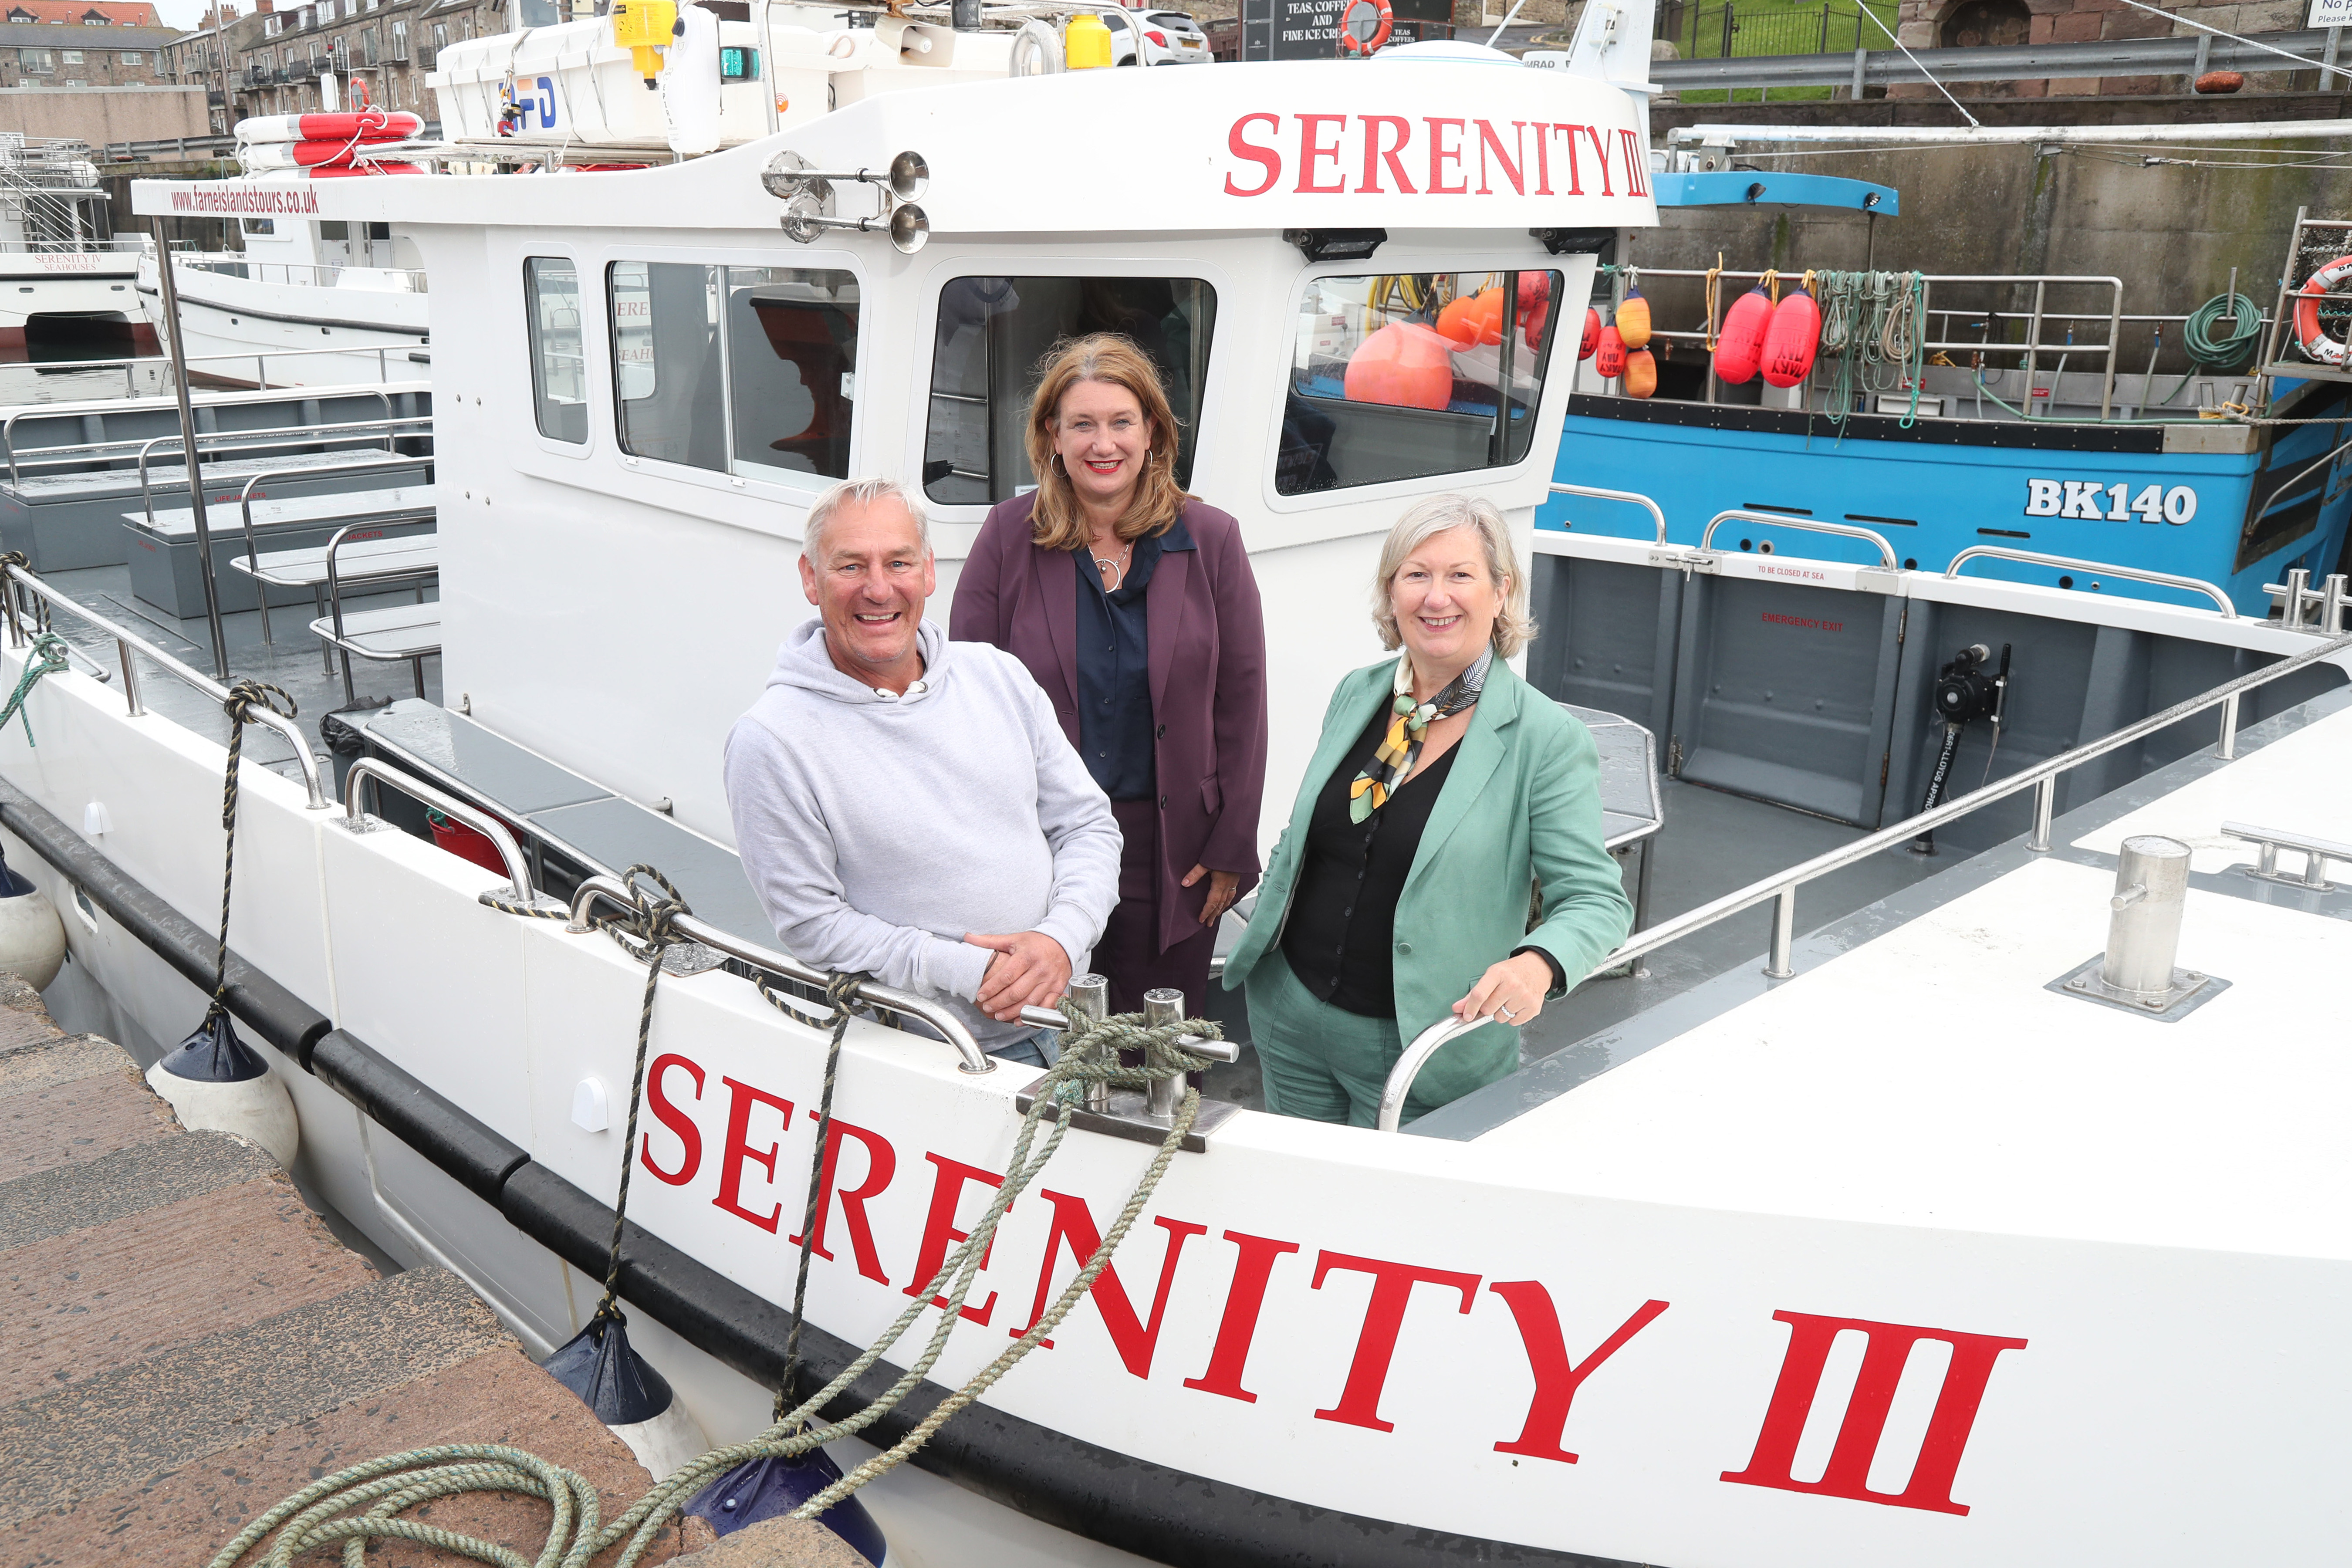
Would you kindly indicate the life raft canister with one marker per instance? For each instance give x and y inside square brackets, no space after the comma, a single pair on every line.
[2309,335]
[1352,45]
[1790,341]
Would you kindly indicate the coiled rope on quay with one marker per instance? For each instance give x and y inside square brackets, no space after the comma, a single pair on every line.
[365,1502]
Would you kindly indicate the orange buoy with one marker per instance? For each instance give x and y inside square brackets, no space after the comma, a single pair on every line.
[1609,359]
[1634,320]
[1739,345]
[1591,334]
[1532,325]
[1454,321]
[1405,366]
[1641,374]
[1486,315]
[1791,339]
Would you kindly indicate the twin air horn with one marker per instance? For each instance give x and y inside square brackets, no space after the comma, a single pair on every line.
[809,192]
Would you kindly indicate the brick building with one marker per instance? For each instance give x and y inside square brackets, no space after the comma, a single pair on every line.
[1964,24]
[75,43]
[269,62]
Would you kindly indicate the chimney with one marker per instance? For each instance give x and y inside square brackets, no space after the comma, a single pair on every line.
[264,7]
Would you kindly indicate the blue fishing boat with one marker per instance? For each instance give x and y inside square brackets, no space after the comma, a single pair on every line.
[1988,423]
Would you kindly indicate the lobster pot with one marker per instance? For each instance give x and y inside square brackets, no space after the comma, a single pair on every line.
[573,84]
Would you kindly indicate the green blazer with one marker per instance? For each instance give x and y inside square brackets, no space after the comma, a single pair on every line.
[1520,809]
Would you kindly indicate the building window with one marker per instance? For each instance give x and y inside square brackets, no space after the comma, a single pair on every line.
[269,26]
[558,381]
[72,57]
[368,46]
[400,38]
[440,35]
[35,62]
[993,333]
[21,15]
[1390,381]
[133,57]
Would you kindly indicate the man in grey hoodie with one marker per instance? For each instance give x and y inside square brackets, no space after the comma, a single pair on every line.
[909,807]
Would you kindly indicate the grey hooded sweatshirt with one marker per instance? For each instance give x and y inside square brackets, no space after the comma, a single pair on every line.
[877,830]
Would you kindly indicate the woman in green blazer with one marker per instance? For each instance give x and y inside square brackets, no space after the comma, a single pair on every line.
[1445,788]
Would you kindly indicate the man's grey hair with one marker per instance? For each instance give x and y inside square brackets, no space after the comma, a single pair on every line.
[861,493]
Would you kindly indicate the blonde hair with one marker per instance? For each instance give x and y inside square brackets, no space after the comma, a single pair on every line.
[1514,626]
[1057,524]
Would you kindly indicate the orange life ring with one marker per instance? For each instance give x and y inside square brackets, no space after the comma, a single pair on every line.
[2309,335]
[1349,44]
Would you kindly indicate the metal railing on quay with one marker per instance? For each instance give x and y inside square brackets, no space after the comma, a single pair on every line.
[214,441]
[128,643]
[1781,888]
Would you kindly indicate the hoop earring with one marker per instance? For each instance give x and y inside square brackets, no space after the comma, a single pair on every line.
[1058,465]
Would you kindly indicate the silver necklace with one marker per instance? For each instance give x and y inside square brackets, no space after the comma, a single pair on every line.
[1113,569]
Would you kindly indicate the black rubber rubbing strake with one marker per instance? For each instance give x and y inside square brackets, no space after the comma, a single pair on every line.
[255,1000]
[454,1142]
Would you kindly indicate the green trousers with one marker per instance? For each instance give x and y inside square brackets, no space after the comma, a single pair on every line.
[1319,1062]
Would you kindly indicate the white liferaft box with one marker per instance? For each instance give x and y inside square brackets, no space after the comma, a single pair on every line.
[573,85]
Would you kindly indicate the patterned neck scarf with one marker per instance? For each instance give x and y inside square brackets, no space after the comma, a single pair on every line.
[1408,729]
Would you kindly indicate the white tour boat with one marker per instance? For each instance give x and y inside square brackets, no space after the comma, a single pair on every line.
[57,275]
[1922,1236]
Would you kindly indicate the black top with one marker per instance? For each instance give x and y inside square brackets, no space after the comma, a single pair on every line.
[1339,937]
[1115,669]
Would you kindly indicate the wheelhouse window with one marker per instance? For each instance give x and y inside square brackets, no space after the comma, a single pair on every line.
[792,368]
[993,337]
[550,287]
[1406,376]
[741,369]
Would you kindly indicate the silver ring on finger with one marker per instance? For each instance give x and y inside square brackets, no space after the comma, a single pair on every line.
[1507,1014]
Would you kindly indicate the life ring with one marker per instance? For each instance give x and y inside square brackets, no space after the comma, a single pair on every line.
[1352,45]
[2309,335]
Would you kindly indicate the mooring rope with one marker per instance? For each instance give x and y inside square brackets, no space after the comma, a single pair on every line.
[322,1514]
[242,699]
[47,655]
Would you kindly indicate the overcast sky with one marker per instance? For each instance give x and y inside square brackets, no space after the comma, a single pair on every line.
[188,12]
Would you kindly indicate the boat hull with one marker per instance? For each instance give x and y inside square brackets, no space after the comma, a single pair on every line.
[246,331]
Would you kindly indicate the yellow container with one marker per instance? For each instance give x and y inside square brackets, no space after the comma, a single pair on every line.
[644,27]
[1085,45]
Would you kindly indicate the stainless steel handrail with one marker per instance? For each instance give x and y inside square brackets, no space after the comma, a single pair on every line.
[2042,778]
[1630,497]
[951,1027]
[2068,562]
[1416,1056]
[1808,524]
[128,640]
[365,768]
[50,410]
[147,494]
[252,551]
[213,441]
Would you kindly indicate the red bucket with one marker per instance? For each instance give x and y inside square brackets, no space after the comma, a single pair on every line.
[465,843]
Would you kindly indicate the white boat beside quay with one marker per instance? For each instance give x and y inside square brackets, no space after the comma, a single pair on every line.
[57,275]
[1871,1217]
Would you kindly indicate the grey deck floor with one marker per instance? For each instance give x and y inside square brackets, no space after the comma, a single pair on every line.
[1712,844]
[293,663]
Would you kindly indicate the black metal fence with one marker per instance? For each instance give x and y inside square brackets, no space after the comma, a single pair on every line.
[1731,30]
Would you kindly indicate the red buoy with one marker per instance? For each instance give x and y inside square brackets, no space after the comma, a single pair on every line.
[1532,325]
[1405,366]
[1790,341]
[1608,358]
[1591,334]
[1739,345]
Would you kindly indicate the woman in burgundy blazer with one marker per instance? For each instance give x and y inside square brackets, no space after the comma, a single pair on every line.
[1134,607]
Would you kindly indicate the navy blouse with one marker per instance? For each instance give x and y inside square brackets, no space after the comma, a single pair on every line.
[1115,722]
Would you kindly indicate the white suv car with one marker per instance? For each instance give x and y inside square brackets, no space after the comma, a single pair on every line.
[1154,37]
